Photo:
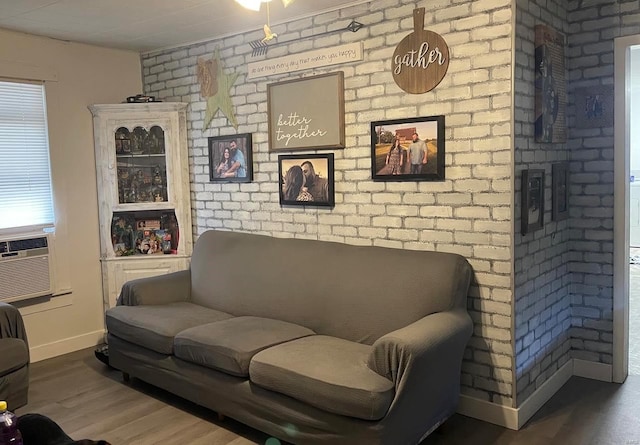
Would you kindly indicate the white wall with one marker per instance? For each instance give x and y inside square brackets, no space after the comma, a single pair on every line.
[75,76]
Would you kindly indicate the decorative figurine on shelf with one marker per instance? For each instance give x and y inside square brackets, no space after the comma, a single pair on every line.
[157,175]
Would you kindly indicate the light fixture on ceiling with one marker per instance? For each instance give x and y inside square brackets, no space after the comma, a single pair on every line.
[254,5]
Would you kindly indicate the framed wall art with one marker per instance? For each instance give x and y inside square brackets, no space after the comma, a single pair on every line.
[594,107]
[559,191]
[231,158]
[306,113]
[408,149]
[550,85]
[306,180]
[532,200]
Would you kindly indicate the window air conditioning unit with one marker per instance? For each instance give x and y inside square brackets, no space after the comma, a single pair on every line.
[25,269]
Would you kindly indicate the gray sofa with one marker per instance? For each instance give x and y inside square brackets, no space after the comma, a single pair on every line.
[14,358]
[309,341]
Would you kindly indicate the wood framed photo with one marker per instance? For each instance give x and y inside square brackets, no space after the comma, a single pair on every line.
[231,158]
[306,180]
[306,113]
[559,191]
[408,149]
[532,200]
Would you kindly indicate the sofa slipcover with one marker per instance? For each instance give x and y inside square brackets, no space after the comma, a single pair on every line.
[381,362]
[14,357]
[155,326]
[229,345]
[326,372]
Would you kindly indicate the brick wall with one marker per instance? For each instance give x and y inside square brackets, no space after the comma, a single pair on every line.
[542,276]
[469,213]
[593,25]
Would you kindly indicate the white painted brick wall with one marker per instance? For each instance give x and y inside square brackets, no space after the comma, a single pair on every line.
[591,63]
[542,333]
[468,213]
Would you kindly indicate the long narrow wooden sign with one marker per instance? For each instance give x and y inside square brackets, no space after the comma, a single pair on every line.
[421,59]
[349,52]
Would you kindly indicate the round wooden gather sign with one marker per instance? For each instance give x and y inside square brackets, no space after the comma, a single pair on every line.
[421,59]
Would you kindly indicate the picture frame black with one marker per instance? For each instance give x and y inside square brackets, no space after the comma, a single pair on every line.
[306,113]
[396,164]
[306,180]
[224,171]
[532,202]
[559,191]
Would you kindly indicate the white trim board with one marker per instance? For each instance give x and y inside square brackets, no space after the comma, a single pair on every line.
[515,418]
[592,370]
[621,211]
[505,416]
[66,346]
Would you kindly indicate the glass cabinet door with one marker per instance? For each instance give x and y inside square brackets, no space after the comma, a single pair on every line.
[141,164]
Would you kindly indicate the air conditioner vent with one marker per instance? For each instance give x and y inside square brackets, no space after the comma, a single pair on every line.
[28,244]
[25,269]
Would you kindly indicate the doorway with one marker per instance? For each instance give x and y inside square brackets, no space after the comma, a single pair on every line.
[626,295]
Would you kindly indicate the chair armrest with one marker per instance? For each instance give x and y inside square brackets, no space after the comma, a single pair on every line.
[431,347]
[11,323]
[162,289]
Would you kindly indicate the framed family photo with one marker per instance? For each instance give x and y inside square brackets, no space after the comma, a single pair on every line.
[231,158]
[532,200]
[306,180]
[408,149]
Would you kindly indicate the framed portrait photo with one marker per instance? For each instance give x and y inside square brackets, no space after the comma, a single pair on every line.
[532,200]
[231,158]
[408,149]
[559,191]
[306,180]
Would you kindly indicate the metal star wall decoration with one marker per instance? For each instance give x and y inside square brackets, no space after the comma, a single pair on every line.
[215,86]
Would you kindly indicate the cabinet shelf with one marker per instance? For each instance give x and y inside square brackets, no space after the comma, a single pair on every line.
[143,191]
[124,156]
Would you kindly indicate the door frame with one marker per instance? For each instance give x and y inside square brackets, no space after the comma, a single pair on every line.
[621,235]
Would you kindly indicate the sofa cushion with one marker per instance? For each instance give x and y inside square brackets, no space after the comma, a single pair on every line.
[326,372]
[13,354]
[154,327]
[228,345]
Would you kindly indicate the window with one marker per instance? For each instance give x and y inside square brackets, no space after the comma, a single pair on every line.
[25,178]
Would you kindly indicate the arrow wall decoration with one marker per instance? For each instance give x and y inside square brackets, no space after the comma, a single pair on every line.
[260,47]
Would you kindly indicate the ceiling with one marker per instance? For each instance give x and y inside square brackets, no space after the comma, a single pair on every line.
[148,25]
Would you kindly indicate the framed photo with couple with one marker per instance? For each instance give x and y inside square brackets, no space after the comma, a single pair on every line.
[408,149]
[306,180]
[231,158]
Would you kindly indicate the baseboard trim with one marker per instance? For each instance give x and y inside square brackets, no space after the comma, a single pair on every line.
[66,346]
[515,418]
[504,416]
[592,370]
[542,395]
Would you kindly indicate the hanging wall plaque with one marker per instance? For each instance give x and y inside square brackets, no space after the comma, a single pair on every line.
[421,59]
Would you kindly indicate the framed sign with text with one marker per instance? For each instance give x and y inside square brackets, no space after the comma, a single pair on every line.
[307,113]
[421,59]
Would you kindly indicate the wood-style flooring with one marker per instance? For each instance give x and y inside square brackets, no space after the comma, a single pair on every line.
[89,400]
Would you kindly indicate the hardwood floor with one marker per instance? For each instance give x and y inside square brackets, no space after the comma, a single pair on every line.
[90,400]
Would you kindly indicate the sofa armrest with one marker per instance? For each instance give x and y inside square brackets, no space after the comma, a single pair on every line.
[11,324]
[430,348]
[162,289]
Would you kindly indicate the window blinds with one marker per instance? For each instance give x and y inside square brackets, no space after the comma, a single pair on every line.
[25,179]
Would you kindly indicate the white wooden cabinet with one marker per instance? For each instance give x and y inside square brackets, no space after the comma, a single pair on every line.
[143,191]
